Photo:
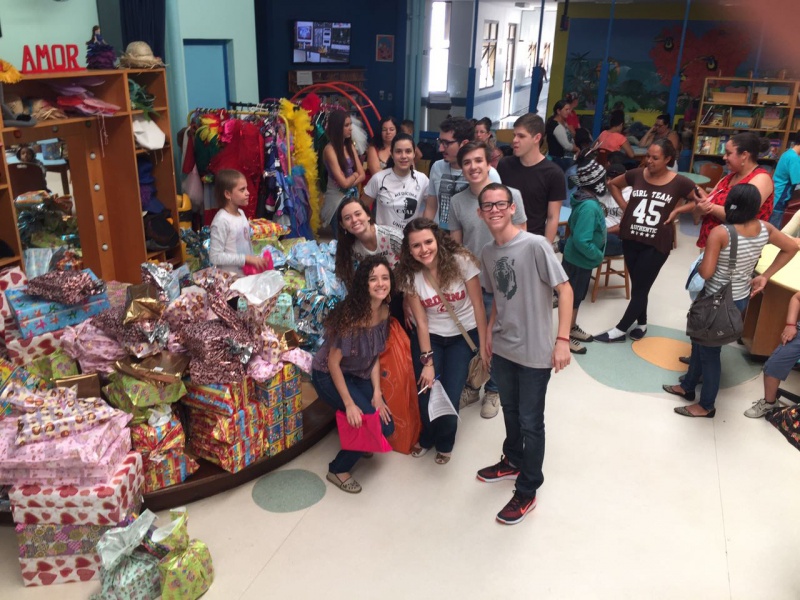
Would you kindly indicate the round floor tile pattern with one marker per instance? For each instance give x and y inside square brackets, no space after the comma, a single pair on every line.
[288,491]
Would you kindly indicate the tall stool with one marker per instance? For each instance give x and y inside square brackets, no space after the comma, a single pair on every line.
[605,270]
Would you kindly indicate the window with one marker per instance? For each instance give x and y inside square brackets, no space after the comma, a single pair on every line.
[439,56]
[488,53]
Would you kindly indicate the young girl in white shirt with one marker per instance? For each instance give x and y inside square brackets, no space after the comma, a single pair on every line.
[229,246]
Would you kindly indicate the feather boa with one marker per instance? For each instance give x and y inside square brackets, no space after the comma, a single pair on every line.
[359,135]
[303,154]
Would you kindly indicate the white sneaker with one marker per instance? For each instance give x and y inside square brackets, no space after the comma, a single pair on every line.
[760,408]
[579,334]
[490,405]
[468,396]
[576,347]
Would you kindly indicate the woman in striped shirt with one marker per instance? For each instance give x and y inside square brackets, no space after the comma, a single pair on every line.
[741,207]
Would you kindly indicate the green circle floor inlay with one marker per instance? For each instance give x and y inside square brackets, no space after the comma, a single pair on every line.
[619,367]
[288,491]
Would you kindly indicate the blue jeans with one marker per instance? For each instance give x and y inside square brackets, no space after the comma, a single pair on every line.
[361,392]
[451,356]
[488,299]
[776,217]
[706,362]
[522,394]
[613,245]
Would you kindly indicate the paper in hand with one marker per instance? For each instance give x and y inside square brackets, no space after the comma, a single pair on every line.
[439,404]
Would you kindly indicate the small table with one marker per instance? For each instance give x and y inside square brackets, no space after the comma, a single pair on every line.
[766,312]
[697,179]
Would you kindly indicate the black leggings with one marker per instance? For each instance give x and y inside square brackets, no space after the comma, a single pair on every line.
[644,263]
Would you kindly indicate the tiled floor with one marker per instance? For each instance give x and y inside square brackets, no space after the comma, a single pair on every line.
[638,503]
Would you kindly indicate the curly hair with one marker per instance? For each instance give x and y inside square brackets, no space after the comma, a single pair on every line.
[345,241]
[354,312]
[446,267]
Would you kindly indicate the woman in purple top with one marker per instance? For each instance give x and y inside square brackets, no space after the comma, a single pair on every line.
[346,369]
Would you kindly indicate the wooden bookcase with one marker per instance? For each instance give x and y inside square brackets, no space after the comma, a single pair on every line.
[103,167]
[731,105]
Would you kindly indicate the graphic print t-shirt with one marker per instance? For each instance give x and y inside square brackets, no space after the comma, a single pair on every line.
[648,208]
[439,320]
[389,241]
[397,199]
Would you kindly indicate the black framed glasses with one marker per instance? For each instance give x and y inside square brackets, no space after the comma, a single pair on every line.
[445,143]
[499,205]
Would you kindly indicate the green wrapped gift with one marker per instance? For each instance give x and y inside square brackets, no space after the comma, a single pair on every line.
[126,392]
[294,281]
[54,366]
[186,571]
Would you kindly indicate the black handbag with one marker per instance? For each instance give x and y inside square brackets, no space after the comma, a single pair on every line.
[713,319]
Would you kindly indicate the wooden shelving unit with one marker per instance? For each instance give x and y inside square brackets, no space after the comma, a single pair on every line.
[722,96]
[103,166]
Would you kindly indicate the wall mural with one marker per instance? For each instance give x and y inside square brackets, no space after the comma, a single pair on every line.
[643,55]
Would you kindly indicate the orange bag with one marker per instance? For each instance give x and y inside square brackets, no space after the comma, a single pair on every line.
[399,389]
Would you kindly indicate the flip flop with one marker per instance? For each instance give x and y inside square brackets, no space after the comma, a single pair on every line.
[442,458]
[349,485]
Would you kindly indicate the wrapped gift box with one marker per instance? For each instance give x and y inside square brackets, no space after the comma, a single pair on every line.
[104,504]
[224,399]
[228,430]
[23,351]
[292,422]
[291,380]
[127,393]
[275,433]
[164,470]
[161,439]
[277,447]
[60,569]
[231,457]
[35,316]
[293,405]
[294,436]
[53,540]
[54,366]
[10,279]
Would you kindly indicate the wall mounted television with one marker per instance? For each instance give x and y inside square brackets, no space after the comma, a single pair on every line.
[320,42]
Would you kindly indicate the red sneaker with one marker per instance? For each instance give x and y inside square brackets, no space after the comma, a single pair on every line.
[516,509]
[498,472]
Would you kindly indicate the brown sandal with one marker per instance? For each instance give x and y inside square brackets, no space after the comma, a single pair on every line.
[442,458]
[349,485]
[418,451]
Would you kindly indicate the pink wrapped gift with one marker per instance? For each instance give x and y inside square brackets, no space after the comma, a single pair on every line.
[59,569]
[104,504]
[51,539]
[95,351]
[117,292]
[92,474]
[10,279]
[87,447]
[22,352]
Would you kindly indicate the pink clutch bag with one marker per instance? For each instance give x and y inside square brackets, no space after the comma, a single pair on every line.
[367,438]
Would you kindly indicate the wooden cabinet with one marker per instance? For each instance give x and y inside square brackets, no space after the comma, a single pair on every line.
[103,168]
[732,105]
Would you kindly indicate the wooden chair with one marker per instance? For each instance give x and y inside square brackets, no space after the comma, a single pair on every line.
[605,270]
[26,177]
[713,171]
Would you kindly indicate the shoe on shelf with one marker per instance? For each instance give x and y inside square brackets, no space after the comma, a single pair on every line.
[637,333]
[490,405]
[579,334]
[760,408]
[685,359]
[576,347]
[606,339]
[469,396]
[498,472]
[516,509]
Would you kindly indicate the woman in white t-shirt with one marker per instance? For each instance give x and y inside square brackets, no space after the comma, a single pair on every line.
[429,259]
[397,191]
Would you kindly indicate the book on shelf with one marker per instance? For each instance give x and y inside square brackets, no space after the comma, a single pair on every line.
[774,150]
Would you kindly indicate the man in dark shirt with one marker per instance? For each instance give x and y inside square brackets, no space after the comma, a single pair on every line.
[540,181]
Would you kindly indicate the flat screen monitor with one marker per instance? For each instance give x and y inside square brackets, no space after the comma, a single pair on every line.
[321,42]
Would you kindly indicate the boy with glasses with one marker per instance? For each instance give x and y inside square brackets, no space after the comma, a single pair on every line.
[446,179]
[522,271]
[467,227]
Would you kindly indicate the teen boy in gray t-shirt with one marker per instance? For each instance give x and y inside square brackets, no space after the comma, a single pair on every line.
[522,271]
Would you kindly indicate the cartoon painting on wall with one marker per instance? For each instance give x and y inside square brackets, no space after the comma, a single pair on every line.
[643,56]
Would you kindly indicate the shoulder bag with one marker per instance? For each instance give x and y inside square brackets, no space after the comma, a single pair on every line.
[713,319]
[477,374]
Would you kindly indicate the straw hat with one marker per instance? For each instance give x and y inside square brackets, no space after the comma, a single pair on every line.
[139,55]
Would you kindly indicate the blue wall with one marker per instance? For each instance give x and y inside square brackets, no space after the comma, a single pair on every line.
[368,17]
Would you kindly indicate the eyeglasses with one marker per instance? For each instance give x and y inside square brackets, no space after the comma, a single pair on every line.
[501,205]
[445,143]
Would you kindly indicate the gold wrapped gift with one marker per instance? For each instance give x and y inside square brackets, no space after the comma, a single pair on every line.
[88,384]
[166,367]
[142,303]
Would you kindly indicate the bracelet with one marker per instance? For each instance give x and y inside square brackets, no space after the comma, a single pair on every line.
[426,358]
[791,324]
[563,339]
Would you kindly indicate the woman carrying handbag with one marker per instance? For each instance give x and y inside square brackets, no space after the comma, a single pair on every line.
[731,254]
[440,279]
